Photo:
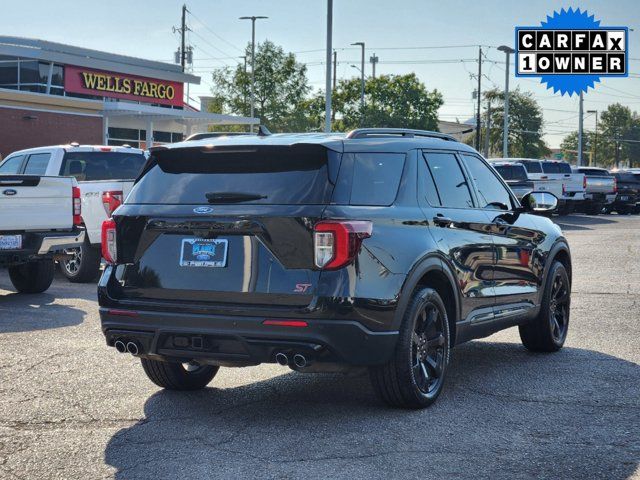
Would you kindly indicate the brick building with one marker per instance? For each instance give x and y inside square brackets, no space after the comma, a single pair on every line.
[51,93]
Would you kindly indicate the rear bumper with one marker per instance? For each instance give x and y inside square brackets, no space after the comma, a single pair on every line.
[41,244]
[239,341]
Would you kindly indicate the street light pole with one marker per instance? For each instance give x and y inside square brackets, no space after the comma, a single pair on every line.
[595,139]
[327,85]
[505,125]
[253,60]
[361,44]
[580,126]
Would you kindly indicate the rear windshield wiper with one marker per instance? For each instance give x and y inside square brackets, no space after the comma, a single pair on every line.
[232,197]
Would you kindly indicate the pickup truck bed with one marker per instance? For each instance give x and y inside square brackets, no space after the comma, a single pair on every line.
[600,189]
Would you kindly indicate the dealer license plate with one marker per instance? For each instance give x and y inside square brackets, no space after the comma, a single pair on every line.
[204,252]
[10,242]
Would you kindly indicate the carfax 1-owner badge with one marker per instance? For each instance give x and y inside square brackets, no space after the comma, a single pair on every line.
[571,51]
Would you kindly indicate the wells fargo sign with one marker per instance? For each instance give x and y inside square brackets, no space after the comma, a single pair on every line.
[118,85]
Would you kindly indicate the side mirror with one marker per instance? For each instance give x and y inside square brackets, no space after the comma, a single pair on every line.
[539,202]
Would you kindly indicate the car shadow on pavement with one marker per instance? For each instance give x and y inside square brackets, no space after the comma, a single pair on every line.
[29,312]
[505,413]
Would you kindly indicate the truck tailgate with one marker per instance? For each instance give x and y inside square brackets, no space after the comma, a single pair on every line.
[93,211]
[600,184]
[31,202]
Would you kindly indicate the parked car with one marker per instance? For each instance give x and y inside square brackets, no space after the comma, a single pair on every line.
[554,177]
[600,189]
[628,196]
[39,218]
[105,176]
[515,175]
[382,248]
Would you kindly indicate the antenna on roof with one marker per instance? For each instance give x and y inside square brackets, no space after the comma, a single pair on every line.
[263,131]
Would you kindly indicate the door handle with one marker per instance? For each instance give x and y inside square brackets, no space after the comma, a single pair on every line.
[442,221]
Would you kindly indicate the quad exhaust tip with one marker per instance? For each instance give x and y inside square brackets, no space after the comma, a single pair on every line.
[299,360]
[132,348]
[120,346]
[282,359]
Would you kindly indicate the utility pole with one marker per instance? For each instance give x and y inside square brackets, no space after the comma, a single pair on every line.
[505,127]
[479,98]
[373,59]
[244,90]
[335,75]
[183,32]
[595,140]
[327,85]
[487,130]
[617,149]
[580,122]
[253,60]
[361,44]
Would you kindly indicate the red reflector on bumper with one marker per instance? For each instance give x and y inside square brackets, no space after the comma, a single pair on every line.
[122,313]
[286,323]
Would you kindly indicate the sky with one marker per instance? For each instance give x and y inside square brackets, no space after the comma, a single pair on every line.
[397,32]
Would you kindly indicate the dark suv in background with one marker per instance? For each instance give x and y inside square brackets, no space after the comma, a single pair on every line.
[382,248]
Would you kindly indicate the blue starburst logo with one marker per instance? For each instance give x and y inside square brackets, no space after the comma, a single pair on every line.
[570,51]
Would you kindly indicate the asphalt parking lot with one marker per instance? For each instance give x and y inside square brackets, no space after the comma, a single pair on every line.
[71,408]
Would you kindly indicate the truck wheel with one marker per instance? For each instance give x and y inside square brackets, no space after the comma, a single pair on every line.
[178,376]
[84,265]
[414,376]
[32,277]
[548,331]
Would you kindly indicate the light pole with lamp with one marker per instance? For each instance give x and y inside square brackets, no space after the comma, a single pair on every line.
[253,59]
[505,125]
[361,44]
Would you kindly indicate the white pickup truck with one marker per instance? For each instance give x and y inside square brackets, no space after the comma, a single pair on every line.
[555,177]
[39,219]
[105,176]
[601,189]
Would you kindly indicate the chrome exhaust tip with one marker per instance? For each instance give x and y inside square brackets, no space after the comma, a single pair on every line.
[299,360]
[282,359]
[120,346]
[132,348]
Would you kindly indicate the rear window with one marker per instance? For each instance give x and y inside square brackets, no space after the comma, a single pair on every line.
[532,167]
[627,177]
[89,166]
[511,172]
[556,167]
[302,174]
[593,172]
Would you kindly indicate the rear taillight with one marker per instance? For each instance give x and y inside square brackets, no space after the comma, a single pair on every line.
[111,200]
[109,240]
[77,206]
[584,182]
[615,185]
[564,189]
[337,242]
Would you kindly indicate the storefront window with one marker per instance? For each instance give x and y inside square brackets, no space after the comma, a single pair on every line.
[8,73]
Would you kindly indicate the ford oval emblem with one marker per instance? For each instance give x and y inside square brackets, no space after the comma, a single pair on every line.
[9,192]
[202,210]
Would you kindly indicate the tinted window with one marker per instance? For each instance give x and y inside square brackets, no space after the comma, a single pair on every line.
[376,177]
[451,184]
[556,167]
[491,192]
[532,167]
[511,172]
[37,164]
[303,174]
[11,165]
[594,172]
[88,166]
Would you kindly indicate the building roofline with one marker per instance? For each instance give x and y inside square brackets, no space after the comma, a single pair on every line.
[89,58]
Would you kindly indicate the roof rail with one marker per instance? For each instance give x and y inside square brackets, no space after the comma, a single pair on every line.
[397,132]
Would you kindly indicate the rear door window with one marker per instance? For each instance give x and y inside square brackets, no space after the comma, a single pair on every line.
[12,165]
[511,172]
[451,184]
[532,167]
[90,166]
[376,177]
[287,175]
[37,164]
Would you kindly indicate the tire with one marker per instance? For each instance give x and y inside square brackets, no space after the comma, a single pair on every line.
[415,374]
[32,277]
[84,267]
[548,331]
[175,376]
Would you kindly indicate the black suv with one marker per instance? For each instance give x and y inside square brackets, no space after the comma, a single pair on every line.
[381,248]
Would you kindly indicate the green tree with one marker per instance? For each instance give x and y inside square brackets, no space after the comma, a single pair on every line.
[525,124]
[390,101]
[281,89]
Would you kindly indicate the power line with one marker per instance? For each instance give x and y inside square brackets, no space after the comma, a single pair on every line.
[215,34]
